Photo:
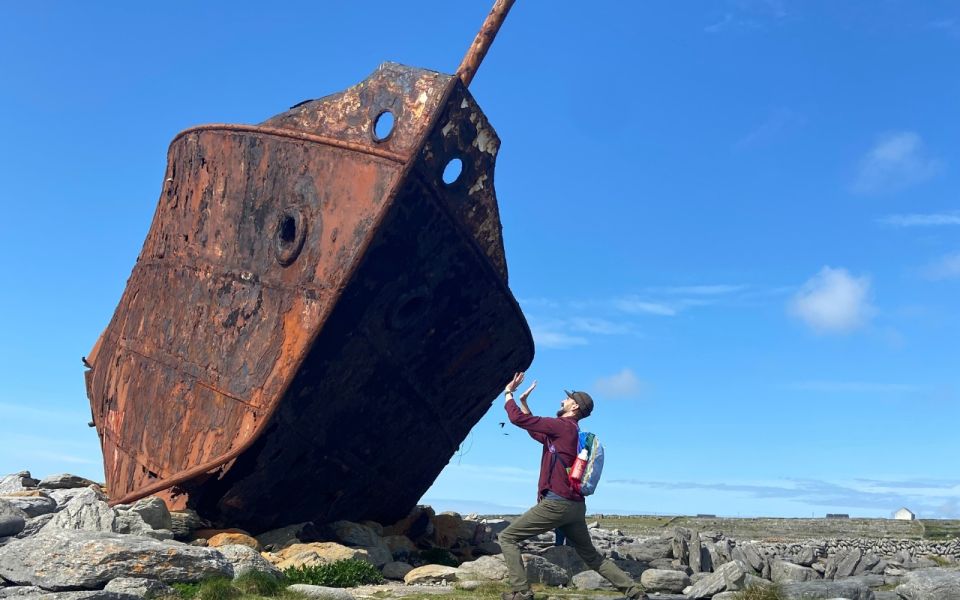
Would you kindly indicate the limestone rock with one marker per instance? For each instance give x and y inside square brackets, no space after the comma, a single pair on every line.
[63,559]
[662,580]
[64,496]
[431,574]
[277,539]
[822,590]
[87,511]
[485,568]
[245,559]
[847,565]
[12,519]
[140,587]
[590,580]
[930,584]
[319,592]
[648,550]
[127,521]
[34,525]
[355,534]
[784,572]
[541,570]
[316,553]
[730,576]
[399,544]
[397,570]
[34,505]
[153,511]
[231,539]
[63,481]
[184,522]
[32,594]
[695,548]
[567,558]
[378,555]
[17,482]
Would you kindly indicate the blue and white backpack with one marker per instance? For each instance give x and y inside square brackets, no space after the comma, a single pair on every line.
[591,474]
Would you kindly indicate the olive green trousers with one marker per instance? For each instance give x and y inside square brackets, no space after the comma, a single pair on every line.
[570,518]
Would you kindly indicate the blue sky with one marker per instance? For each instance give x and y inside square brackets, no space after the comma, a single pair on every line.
[733,222]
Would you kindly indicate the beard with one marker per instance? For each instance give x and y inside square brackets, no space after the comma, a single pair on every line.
[560,413]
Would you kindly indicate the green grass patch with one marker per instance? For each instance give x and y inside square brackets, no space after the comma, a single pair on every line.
[218,588]
[341,574]
[761,592]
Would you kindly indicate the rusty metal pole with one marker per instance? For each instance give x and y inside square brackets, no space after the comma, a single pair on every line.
[478,49]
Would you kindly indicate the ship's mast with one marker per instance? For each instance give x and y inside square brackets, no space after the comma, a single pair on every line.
[478,49]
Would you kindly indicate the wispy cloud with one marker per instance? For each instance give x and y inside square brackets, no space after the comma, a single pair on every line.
[922,220]
[624,384]
[639,305]
[946,267]
[572,322]
[898,160]
[833,301]
[701,290]
[549,338]
[926,501]
[778,122]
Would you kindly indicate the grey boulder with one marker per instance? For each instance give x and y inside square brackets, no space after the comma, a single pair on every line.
[541,570]
[590,580]
[663,580]
[63,481]
[12,519]
[930,584]
[784,572]
[34,525]
[32,506]
[18,482]
[731,576]
[246,560]
[565,557]
[140,587]
[63,559]
[485,568]
[152,511]
[824,590]
[88,511]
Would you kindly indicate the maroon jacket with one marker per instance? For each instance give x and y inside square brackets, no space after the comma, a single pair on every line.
[562,434]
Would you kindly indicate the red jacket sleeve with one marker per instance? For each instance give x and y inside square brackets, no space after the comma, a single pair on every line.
[542,425]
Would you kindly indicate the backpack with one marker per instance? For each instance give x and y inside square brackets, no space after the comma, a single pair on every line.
[591,474]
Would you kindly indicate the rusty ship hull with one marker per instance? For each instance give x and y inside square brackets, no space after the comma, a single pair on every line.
[317,318]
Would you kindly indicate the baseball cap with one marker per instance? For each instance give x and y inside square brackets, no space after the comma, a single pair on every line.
[583,400]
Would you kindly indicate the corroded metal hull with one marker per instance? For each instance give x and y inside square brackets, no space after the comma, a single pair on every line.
[316,319]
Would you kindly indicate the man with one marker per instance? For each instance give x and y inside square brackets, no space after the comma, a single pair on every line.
[559,504]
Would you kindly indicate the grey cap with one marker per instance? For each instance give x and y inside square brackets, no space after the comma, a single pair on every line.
[583,400]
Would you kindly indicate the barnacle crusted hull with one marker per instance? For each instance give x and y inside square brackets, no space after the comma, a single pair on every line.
[316,319]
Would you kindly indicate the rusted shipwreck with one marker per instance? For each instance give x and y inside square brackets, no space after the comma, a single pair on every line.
[316,319]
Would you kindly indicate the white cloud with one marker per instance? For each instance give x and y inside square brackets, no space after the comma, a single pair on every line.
[948,267]
[833,301]
[897,161]
[624,384]
[636,305]
[548,338]
[702,290]
[922,220]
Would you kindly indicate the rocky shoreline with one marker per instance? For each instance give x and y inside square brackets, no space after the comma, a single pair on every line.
[60,540]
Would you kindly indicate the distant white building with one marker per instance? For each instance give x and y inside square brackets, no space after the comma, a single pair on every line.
[904,514]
